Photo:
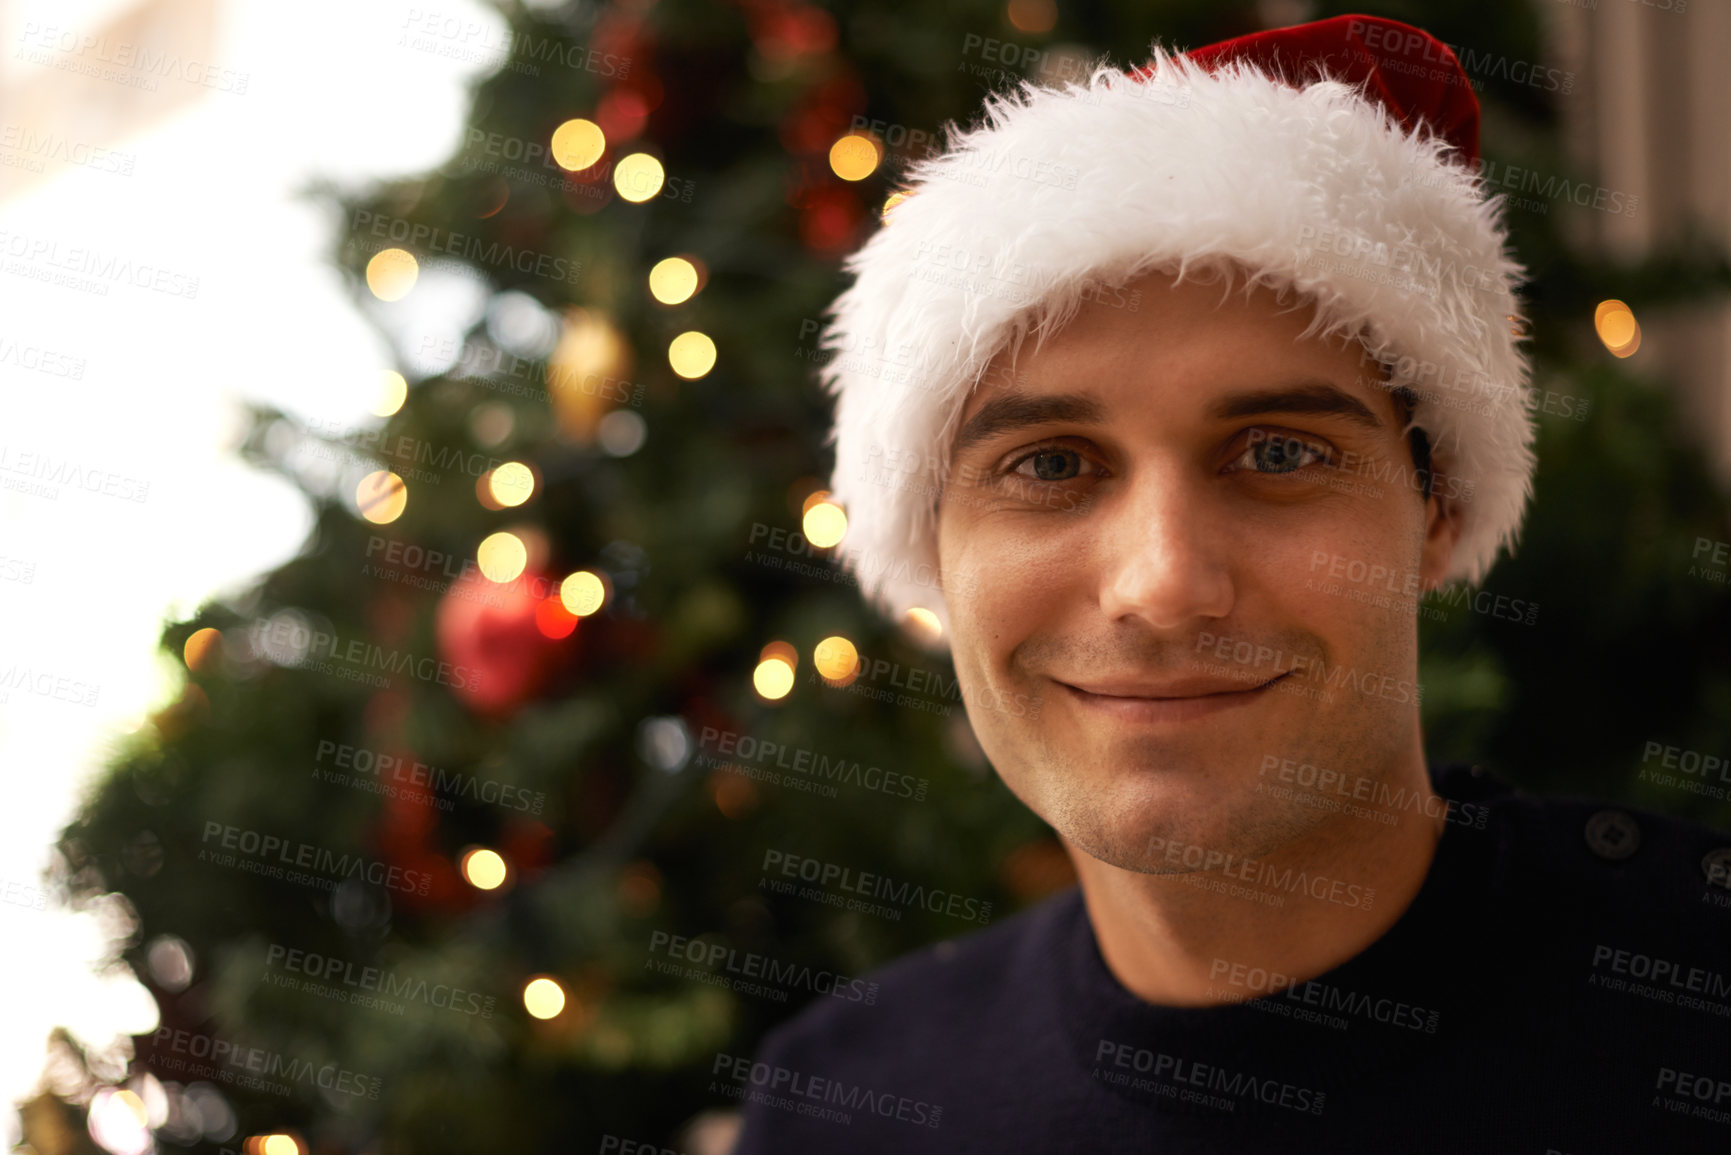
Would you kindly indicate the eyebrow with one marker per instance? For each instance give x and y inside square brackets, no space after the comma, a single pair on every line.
[1014,410]
[1312,397]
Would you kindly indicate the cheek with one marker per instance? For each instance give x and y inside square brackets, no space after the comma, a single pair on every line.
[1022,575]
[1351,578]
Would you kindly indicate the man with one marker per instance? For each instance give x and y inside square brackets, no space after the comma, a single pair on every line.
[1274,395]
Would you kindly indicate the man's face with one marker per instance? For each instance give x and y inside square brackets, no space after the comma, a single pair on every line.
[1227,510]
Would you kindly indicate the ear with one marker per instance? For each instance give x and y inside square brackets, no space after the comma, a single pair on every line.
[1441,531]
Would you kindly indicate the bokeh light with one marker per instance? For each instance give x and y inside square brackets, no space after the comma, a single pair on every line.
[925,622]
[577,144]
[203,649]
[836,659]
[543,997]
[553,619]
[502,556]
[854,156]
[638,177]
[1036,16]
[673,281]
[392,273]
[381,497]
[824,524]
[692,354]
[484,869]
[512,483]
[772,679]
[1617,328]
[393,391]
[583,592]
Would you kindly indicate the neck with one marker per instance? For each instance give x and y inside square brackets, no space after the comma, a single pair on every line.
[1172,942]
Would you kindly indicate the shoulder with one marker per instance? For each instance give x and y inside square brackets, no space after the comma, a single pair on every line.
[1619,848]
[932,998]
[932,1029]
[1612,867]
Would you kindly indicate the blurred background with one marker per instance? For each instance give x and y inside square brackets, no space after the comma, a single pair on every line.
[420,619]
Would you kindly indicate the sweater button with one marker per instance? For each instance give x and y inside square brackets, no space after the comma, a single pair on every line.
[1717,867]
[1613,834]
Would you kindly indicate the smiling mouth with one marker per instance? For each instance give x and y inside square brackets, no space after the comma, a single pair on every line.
[1182,708]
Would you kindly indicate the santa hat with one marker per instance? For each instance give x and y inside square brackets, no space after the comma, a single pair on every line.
[1335,158]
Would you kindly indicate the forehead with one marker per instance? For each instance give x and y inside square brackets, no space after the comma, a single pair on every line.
[1195,344]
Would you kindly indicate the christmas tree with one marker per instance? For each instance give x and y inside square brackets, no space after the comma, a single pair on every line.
[487,821]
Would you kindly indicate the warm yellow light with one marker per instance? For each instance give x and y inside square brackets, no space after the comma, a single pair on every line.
[202,648]
[577,144]
[854,156]
[502,557]
[393,391]
[392,273]
[583,593]
[925,621]
[381,497]
[131,1101]
[484,869]
[279,1145]
[895,199]
[836,658]
[1617,328]
[638,177]
[773,678]
[692,354]
[543,998]
[512,483]
[673,280]
[824,524]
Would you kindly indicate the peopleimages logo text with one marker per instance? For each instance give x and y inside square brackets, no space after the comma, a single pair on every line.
[378,980]
[320,860]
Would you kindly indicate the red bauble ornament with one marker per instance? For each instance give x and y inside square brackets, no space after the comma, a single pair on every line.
[503,642]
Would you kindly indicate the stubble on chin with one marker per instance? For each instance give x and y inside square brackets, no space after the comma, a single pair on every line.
[1223,813]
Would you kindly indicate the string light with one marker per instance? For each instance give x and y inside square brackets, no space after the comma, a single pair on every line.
[511,484]
[543,997]
[381,497]
[824,524]
[1617,328]
[855,156]
[484,869]
[772,679]
[393,391]
[502,556]
[638,177]
[202,649]
[691,354]
[673,281]
[925,622]
[837,660]
[392,273]
[583,593]
[577,144]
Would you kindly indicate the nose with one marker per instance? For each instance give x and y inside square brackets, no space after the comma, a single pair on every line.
[1164,553]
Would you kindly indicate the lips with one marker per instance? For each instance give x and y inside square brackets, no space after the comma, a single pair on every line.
[1172,688]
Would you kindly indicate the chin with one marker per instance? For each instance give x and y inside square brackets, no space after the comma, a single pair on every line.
[1131,819]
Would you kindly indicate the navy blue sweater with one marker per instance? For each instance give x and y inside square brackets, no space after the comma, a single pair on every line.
[1548,990]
